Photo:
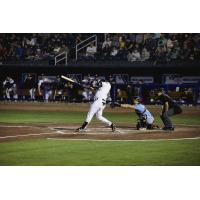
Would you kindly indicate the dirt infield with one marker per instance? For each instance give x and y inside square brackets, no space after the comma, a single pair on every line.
[13,132]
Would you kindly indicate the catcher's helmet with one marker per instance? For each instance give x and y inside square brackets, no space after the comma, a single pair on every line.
[137,98]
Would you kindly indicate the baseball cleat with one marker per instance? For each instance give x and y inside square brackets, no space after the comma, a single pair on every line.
[80,130]
[156,127]
[142,129]
[168,128]
[113,127]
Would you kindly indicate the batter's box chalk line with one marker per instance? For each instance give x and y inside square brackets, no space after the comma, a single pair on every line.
[120,140]
[94,130]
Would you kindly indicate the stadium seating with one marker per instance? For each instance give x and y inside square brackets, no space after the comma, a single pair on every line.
[42,48]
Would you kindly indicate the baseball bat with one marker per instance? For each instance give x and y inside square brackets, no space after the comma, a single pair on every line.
[72,81]
[68,79]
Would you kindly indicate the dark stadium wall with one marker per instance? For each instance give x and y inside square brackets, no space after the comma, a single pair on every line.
[156,71]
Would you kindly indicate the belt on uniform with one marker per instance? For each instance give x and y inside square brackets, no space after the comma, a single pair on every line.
[95,99]
[144,111]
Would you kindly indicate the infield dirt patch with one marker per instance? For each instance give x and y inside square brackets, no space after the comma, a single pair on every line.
[19,131]
[13,132]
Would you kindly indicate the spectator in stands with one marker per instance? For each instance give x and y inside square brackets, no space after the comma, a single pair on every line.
[29,46]
[130,46]
[107,42]
[91,51]
[184,53]
[132,37]
[114,52]
[146,37]
[196,54]
[162,41]
[134,56]
[122,43]
[139,38]
[197,44]
[29,53]
[151,45]
[168,54]
[156,35]
[33,40]
[20,52]
[106,50]
[2,52]
[115,40]
[64,48]
[38,54]
[11,53]
[174,54]
[169,44]
[160,54]
[56,49]
[175,40]
[145,55]
[78,38]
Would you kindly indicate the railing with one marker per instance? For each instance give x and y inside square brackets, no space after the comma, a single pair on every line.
[85,43]
[60,57]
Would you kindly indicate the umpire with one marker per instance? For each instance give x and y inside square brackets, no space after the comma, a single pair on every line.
[169,108]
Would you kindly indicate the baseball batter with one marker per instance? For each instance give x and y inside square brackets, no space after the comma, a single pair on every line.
[98,106]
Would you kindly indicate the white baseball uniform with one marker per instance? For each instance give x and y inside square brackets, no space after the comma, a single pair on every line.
[99,104]
[10,87]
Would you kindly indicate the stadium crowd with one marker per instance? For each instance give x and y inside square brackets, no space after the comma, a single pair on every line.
[131,47]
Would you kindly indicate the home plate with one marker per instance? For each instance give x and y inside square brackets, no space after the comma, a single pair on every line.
[99,130]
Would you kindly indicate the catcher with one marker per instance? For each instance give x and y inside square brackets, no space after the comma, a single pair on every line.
[146,119]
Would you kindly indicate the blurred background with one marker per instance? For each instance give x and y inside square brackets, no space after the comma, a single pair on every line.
[134,63]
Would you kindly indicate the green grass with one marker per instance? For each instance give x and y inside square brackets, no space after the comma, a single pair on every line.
[59,153]
[49,152]
[40,117]
[79,117]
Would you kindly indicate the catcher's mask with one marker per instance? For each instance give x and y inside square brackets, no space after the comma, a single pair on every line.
[137,98]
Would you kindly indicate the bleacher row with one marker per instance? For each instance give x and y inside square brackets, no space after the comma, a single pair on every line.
[38,48]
